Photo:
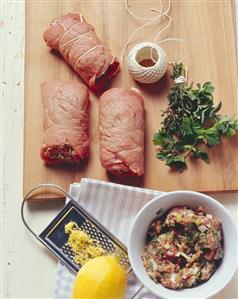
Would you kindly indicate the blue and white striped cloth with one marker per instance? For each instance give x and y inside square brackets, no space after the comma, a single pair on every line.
[115,206]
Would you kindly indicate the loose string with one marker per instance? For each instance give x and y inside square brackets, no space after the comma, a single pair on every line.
[166,26]
[151,20]
[128,8]
[161,31]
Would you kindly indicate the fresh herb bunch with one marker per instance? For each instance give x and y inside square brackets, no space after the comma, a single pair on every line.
[191,123]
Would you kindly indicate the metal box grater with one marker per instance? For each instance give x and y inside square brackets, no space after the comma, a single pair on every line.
[55,238]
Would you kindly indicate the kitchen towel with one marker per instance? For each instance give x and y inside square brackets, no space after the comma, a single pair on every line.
[114,206]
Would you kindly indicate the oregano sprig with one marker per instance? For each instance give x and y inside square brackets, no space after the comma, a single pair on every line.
[191,123]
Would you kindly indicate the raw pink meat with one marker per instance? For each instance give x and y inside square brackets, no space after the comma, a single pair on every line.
[79,45]
[122,132]
[65,122]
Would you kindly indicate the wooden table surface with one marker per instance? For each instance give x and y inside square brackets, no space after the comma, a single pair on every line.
[28,270]
[210,56]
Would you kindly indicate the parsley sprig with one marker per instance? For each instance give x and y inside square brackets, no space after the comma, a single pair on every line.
[191,123]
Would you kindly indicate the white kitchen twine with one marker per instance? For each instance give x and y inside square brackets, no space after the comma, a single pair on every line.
[181,79]
[78,38]
[148,50]
[141,52]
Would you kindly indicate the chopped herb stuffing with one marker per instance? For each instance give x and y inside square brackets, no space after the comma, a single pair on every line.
[184,248]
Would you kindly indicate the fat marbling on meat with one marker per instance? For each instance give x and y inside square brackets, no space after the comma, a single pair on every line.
[122,132]
[79,45]
[66,116]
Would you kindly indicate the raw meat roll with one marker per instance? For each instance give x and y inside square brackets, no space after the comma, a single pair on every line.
[79,45]
[122,132]
[65,122]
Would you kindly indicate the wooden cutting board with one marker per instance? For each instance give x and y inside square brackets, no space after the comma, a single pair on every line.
[207,28]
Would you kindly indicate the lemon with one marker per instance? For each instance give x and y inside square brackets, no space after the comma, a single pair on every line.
[100,278]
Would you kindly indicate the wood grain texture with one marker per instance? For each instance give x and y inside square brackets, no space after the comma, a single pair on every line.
[209,52]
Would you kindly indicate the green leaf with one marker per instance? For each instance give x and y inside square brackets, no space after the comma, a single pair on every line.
[162,156]
[201,154]
[189,126]
[227,126]
[230,132]
[212,136]
[177,162]
[186,126]
[217,108]
[208,88]
[161,138]
[189,147]
[190,122]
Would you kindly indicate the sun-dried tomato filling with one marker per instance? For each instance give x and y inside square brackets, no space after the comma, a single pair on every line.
[59,154]
[184,247]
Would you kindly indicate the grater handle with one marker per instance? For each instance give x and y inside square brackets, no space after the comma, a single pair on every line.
[34,234]
[137,292]
[27,196]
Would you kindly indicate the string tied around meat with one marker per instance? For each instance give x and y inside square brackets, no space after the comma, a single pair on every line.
[84,54]
[69,29]
[72,27]
[76,38]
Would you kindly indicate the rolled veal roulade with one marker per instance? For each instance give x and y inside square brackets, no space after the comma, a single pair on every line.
[79,45]
[122,132]
[66,115]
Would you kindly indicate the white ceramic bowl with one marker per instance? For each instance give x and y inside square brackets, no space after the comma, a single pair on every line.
[138,232]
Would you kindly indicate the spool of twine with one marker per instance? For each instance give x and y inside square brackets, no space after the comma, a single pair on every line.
[147,62]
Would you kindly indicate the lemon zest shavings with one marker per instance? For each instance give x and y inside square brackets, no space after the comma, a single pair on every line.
[82,245]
